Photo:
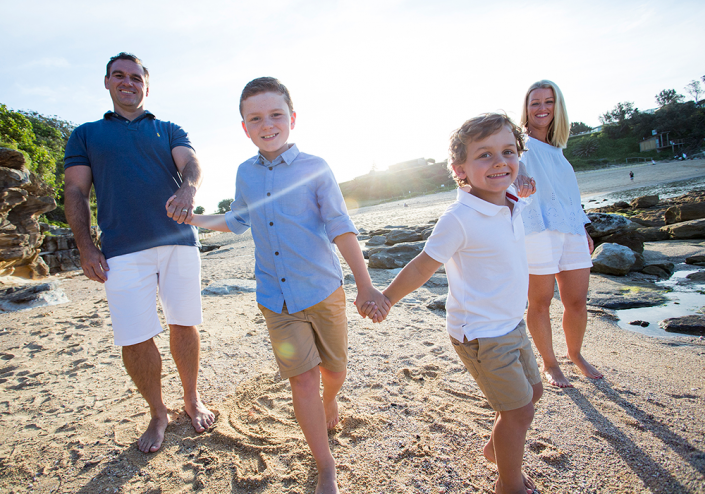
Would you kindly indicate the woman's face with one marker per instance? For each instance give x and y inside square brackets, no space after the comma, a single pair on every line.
[540,108]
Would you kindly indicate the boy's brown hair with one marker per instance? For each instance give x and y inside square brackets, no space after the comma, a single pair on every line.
[477,129]
[265,85]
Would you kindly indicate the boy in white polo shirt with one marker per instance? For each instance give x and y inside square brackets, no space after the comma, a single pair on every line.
[480,239]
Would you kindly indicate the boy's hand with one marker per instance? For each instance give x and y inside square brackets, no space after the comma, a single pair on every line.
[379,307]
[370,309]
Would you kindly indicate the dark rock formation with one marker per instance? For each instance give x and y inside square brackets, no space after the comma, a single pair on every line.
[401,236]
[645,202]
[662,270]
[27,297]
[694,324]
[627,299]
[397,256]
[696,260]
[686,230]
[23,197]
[684,212]
[630,238]
[606,224]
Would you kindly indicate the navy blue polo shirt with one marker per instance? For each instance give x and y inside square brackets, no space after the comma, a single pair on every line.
[134,174]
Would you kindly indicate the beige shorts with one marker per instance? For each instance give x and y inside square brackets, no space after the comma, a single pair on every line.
[314,336]
[504,367]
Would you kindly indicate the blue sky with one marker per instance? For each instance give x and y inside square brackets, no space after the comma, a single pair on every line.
[378,81]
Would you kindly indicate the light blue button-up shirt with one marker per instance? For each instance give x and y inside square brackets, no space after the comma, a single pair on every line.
[295,209]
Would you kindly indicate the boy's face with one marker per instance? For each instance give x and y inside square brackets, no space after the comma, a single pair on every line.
[491,166]
[267,121]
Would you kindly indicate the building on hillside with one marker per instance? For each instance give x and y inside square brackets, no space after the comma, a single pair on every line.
[660,141]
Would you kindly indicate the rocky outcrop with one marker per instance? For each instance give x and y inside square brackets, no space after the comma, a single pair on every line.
[684,212]
[23,197]
[602,225]
[644,201]
[28,297]
[397,256]
[613,259]
[694,324]
[686,230]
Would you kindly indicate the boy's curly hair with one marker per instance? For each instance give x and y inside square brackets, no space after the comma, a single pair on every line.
[265,85]
[477,129]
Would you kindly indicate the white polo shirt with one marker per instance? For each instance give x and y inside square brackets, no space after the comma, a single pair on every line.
[482,247]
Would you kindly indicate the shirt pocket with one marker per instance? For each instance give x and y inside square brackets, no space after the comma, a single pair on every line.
[295,201]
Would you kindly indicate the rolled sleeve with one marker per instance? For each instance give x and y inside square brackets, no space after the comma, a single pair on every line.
[333,211]
[238,218]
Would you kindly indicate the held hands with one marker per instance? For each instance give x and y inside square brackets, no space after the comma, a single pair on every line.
[525,186]
[179,207]
[376,305]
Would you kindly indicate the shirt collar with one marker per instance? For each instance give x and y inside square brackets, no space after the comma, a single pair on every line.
[287,157]
[112,114]
[487,208]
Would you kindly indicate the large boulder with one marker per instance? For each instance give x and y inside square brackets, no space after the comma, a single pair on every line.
[696,260]
[686,230]
[376,240]
[397,256]
[23,197]
[603,224]
[403,236]
[686,324]
[630,238]
[644,201]
[662,269]
[685,212]
[613,259]
[653,234]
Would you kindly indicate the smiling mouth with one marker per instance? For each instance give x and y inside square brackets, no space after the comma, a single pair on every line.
[541,115]
[270,136]
[498,175]
[127,92]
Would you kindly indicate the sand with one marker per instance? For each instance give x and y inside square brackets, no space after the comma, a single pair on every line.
[413,418]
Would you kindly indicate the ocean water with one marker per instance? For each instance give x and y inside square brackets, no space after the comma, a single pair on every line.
[665,191]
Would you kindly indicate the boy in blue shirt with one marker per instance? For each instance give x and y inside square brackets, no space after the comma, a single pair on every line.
[294,206]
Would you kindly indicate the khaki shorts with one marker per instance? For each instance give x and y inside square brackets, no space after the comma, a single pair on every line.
[504,367]
[314,336]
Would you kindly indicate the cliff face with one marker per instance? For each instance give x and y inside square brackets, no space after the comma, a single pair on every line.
[23,197]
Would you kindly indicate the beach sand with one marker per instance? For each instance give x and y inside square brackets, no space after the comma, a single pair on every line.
[413,418]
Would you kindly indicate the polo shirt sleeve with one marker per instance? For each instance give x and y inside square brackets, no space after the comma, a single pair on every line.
[447,238]
[238,218]
[331,205]
[76,153]
[179,137]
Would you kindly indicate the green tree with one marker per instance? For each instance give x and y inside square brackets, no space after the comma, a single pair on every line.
[617,121]
[668,96]
[695,90]
[579,128]
[199,210]
[224,206]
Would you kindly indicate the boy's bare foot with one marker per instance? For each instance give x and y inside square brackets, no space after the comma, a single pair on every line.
[555,377]
[585,367]
[201,417]
[327,482]
[153,437]
[488,452]
[332,415]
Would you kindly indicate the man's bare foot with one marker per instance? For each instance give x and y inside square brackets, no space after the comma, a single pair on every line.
[153,437]
[555,377]
[201,417]
[488,451]
[332,415]
[585,367]
[327,482]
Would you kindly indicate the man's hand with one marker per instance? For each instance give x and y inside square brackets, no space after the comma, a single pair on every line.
[376,305]
[179,207]
[94,265]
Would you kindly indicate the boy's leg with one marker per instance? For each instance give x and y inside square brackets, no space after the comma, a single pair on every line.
[309,411]
[509,436]
[332,382]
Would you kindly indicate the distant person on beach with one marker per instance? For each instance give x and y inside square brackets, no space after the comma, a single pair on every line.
[480,239]
[557,244]
[294,206]
[631,175]
[136,163]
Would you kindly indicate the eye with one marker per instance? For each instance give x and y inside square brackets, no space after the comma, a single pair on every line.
[254,119]
[509,152]
[484,155]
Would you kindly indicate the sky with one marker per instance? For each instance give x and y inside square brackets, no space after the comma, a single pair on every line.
[374,82]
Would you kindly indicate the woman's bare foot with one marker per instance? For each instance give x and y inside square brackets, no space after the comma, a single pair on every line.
[585,367]
[555,377]
[332,415]
[488,452]
[327,482]
[153,437]
[201,418]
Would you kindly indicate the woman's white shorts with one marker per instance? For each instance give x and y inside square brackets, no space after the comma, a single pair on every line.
[550,252]
[132,285]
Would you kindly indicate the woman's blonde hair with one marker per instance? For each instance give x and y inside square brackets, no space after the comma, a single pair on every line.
[559,130]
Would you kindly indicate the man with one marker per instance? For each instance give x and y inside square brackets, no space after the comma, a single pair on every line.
[136,163]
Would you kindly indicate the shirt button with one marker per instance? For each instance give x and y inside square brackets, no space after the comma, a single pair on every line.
[283,279]
[271,223]
[269,194]
[270,167]
[276,253]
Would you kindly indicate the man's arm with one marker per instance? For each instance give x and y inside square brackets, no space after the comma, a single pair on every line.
[180,206]
[77,187]
[350,249]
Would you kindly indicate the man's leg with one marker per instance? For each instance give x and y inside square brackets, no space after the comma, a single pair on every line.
[185,344]
[332,382]
[310,413]
[144,365]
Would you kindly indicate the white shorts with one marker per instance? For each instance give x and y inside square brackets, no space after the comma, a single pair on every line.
[550,252]
[131,290]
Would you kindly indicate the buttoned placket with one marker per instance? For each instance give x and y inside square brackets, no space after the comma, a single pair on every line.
[270,171]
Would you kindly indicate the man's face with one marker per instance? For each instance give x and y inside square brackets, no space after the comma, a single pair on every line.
[127,85]
[267,121]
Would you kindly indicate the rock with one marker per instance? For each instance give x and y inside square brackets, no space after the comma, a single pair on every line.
[684,212]
[697,276]
[686,229]
[694,324]
[620,205]
[626,300]
[30,296]
[644,202]
[437,280]
[426,233]
[380,231]
[225,287]
[438,303]
[603,224]
[643,324]
[696,260]
[208,247]
[653,234]
[376,240]
[632,239]
[397,256]
[349,279]
[403,236]
[612,259]
[662,270]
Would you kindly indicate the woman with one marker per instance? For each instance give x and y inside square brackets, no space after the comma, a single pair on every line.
[557,245]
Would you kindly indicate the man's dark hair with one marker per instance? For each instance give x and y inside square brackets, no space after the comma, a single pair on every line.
[128,56]
[265,85]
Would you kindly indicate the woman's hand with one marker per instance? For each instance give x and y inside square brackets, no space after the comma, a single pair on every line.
[591,244]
